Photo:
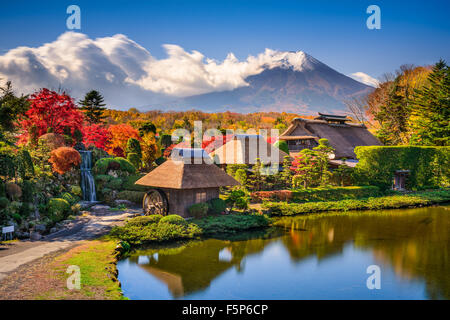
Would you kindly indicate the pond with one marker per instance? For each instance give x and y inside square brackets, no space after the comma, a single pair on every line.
[317,257]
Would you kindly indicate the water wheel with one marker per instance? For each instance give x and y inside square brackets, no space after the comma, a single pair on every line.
[155,202]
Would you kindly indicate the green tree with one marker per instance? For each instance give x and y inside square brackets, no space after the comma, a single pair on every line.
[134,152]
[146,128]
[93,106]
[323,151]
[11,107]
[431,109]
[255,179]
[287,174]
[282,145]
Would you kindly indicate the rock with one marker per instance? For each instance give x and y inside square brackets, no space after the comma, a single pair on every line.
[98,208]
[53,230]
[35,236]
[123,202]
[40,228]
[22,235]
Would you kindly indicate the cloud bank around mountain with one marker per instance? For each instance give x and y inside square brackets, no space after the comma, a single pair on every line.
[365,78]
[128,75]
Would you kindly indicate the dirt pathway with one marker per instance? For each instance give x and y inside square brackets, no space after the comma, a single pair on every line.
[16,254]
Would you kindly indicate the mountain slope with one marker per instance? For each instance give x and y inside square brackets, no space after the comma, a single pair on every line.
[304,85]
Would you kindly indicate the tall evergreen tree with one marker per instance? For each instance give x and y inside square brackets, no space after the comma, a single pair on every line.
[431,109]
[93,106]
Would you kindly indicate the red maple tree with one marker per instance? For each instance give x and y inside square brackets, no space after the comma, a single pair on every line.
[50,109]
[97,135]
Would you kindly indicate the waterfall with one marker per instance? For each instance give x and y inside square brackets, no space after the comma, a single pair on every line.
[87,179]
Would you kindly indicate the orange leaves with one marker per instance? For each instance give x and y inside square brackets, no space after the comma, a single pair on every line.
[119,135]
[64,158]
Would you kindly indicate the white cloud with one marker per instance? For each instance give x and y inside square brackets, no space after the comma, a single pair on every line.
[127,74]
[365,78]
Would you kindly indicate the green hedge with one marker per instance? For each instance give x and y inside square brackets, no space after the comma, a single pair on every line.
[429,166]
[128,183]
[387,202]
[317,194]
[142,230]
[101,165]
[58,209]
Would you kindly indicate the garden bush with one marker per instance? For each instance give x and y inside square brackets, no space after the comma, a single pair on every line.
[429,166]
[52,140]
[316,194]
[144,220]
[128,183]
[4,202]
[386,202]
[69,198]
[174,219]
[57,209]
[217,205]
[142,230]
[76,190]
[198,210]
[103,165]
[133,196]
[134,159]
[13,191]
[115,183]
[64,158]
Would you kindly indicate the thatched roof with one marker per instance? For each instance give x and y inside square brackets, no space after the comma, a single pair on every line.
[184,174]
[245,149]
[343,137]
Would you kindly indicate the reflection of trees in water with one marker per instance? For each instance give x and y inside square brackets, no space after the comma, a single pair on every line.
[191,267]
[415,242]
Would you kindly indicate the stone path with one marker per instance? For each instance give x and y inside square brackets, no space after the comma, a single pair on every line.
[91,226]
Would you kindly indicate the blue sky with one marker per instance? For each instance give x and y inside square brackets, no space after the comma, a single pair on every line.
[334,32]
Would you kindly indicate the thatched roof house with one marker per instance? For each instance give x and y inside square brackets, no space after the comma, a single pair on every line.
[245,149]
[188,177]
[343,136]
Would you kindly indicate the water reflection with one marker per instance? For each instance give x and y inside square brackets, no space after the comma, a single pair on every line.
[412,247]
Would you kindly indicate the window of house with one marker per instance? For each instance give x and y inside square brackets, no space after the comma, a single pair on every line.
[200,197]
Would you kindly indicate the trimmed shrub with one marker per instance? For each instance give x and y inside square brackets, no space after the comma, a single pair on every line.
[128,183]
[198,210]
[125,165]
[429,166]
[217,206]
[57,209]
[133,146]
[316,194]
[232,223]
[133,196]
[144,220]
[76,190]
[4,202]
[173,219]
[387,202]
[64,158]
[13,191]
[134,159]
[241,203]
[115,183]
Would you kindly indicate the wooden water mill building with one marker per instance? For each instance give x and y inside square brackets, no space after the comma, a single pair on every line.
[187,178]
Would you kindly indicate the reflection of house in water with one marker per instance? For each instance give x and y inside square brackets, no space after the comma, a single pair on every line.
[193,268]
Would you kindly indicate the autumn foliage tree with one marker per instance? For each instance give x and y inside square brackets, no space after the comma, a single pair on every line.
[97,135]
[63,159]
[50,112]
[119,134]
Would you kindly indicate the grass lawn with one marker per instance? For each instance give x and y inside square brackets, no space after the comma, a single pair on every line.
[97,262]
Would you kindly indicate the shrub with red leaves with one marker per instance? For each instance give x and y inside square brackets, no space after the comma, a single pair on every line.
[96,135]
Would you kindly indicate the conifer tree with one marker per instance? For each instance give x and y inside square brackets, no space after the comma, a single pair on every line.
[93,106]
[431,109]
